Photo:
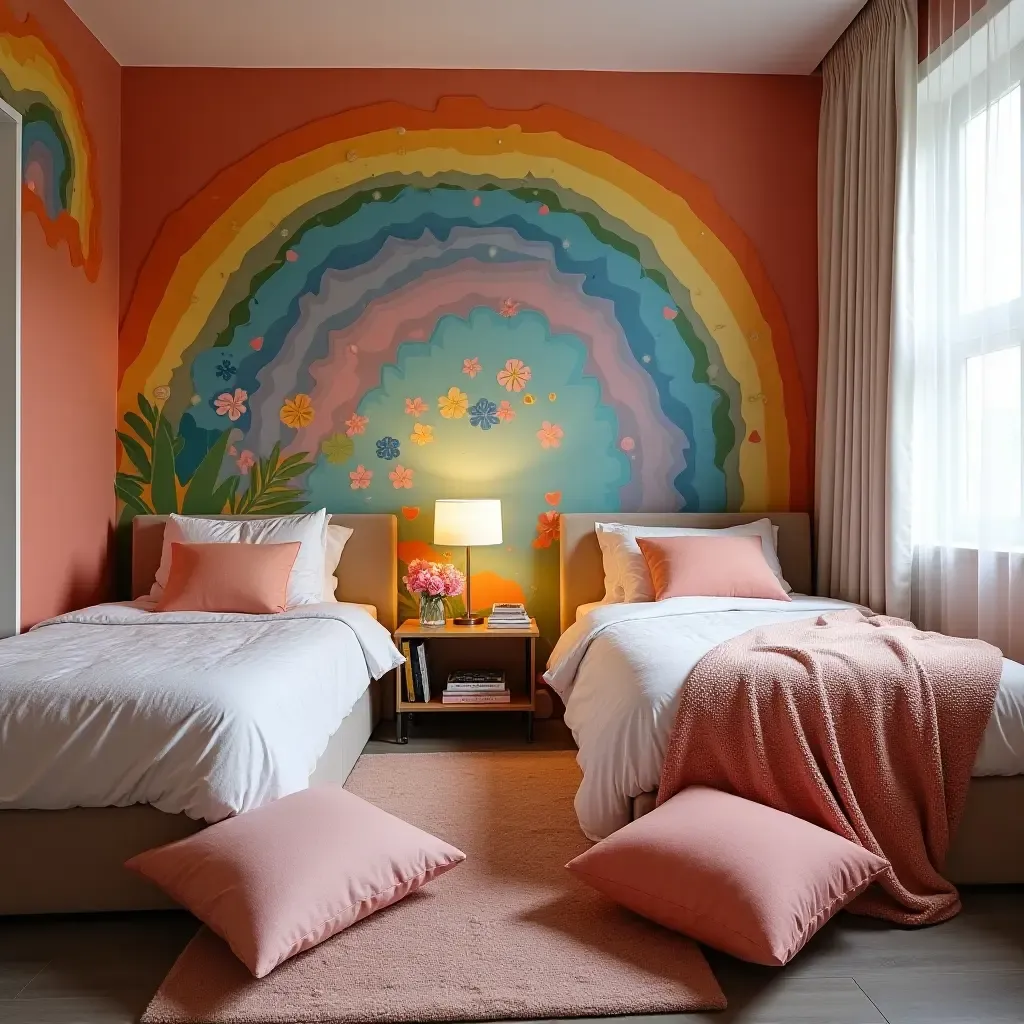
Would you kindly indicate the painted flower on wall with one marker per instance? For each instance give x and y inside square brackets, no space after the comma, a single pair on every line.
[388,448]
[338,448]
[246,460]
[415,406]
[509,308]
[453,406]
[231,405]
[400,477]
[528,399]
[514,375]
[356,424]
[162,392]
[297,412]
[550,435]
[483,415]
[505,412]
[547,529]
[360,477]
[422,433]
[471,367]
[225,370]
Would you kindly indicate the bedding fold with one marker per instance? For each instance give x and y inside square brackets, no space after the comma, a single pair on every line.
[859,723]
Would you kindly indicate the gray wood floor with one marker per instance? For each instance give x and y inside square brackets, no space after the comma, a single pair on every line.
[103,970]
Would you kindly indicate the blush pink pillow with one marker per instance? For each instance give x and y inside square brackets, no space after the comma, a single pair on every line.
[249,578]
[283,878]
[735,875]
[709,567]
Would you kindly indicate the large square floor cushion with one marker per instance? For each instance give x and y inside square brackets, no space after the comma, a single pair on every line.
[738,876]
[283,878]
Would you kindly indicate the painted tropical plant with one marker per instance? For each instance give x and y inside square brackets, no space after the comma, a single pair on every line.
[152,446]
[270,491]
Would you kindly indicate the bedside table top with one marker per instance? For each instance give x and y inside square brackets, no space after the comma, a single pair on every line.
[412,630]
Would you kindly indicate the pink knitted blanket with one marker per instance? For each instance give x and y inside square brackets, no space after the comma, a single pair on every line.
[861,724]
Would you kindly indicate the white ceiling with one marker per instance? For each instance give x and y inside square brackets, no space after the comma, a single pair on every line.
[743,36]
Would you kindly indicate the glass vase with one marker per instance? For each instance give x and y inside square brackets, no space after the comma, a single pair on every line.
[431,610]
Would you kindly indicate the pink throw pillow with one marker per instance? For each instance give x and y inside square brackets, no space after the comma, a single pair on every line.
[283,878]
[248,578]
[738,876]
[709,567]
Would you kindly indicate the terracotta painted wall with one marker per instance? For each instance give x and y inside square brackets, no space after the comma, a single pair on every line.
[631,322]
[68,89]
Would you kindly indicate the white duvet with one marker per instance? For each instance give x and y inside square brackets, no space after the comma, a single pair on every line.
[621,670]
[209,714]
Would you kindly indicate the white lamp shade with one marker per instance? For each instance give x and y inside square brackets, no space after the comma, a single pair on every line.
[469,523]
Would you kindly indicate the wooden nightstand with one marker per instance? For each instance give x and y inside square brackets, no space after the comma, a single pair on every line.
[452,647]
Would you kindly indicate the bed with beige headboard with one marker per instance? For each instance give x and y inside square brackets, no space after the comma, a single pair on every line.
[68,861]
[367,573]
[989,847]
[581,571]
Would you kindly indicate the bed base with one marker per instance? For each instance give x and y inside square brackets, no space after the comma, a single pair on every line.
[71,861]
[989,845]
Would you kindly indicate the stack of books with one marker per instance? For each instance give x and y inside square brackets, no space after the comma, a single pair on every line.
[508,616]
[476,688]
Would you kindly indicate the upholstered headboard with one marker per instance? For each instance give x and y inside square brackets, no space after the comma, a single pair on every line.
[581,571]
[368,573]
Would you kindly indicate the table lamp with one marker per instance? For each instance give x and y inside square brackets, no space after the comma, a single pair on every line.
[467,523]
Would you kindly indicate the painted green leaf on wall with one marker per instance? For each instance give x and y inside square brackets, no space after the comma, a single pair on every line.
[202,488]
[164,484]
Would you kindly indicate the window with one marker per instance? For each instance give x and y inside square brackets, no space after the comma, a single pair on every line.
[990,205]
[991,435]
[968,400]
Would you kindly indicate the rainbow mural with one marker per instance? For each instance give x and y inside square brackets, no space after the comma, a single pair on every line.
[58,157]
[394,305]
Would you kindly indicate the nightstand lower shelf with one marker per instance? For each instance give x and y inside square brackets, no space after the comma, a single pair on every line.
[436,704]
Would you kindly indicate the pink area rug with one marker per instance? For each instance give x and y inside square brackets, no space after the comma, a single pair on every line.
[508,934]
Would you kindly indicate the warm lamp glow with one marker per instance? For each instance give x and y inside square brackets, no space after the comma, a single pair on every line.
[469,523]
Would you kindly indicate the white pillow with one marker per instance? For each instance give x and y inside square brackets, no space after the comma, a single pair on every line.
[337,538]
[306,583]
[608,539]
[191,530]
[630,579]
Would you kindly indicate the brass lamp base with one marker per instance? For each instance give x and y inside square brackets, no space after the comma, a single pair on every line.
[469,619]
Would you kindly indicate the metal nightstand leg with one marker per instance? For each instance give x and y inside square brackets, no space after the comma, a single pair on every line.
[401,728]
[529,726]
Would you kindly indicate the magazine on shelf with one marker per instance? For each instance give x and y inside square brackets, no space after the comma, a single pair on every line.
[475,682]
[417,678]
[496,697]
[421,660]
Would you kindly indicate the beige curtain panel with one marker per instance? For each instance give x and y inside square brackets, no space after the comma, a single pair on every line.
[864,149]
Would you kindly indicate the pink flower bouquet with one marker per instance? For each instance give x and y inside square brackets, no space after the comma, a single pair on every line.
[434,579]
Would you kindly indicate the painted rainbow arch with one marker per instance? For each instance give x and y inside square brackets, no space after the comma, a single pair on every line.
[393,305]
[58,157]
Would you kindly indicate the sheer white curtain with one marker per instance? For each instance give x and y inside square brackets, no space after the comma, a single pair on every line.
[963,379]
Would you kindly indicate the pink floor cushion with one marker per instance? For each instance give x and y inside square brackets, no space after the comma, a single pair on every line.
[735,875]
[280,879]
